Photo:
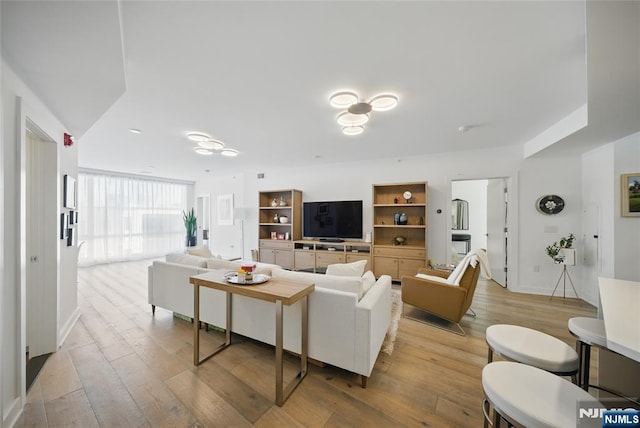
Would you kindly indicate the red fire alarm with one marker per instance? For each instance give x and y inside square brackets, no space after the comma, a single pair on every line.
[68,140]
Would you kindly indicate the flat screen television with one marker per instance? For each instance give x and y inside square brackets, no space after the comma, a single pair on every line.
[332,220]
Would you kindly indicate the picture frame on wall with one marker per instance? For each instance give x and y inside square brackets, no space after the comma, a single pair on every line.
[64,225]
[69,192]
[225,210]
[71,218]
[630,194]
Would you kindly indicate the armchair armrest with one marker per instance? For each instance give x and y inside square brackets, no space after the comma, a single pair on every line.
[435,272]
[441,299]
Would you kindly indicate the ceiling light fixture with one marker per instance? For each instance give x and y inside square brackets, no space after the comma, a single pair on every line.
[202,151]
[352,119]
[211,144]
[353,130]
[135,131]
[343,99]
[357,112]
[231,153]
[198,137]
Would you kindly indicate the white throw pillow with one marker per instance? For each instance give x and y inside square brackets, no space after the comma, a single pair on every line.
[186,259]
[342,283]
[433,278]
[200,251]
[368,279]
[347,269]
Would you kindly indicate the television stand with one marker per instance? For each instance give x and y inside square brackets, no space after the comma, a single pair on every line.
[331,240]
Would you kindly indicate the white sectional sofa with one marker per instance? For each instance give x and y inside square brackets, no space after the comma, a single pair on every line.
[348,316]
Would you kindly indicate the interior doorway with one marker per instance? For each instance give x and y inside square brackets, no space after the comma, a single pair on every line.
[41,233]
[479,220]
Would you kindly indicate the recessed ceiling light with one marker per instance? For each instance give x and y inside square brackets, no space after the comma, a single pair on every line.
[343,99]
[463,128]
[198,136]
[135,131]
[211,144]
[350,119]
[383,102]
[229,153]
[201,151]
[353,130]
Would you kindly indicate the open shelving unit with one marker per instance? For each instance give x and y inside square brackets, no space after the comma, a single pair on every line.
[276,238]
[390,258]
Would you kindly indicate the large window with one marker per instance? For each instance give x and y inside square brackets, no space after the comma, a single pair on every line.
[125,218]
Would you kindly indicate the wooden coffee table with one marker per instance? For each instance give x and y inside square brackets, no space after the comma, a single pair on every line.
[275,290]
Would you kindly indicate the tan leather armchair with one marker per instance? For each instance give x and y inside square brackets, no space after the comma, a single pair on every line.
[441,299]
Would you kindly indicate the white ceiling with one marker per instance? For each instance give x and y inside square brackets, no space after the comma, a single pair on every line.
[257,75]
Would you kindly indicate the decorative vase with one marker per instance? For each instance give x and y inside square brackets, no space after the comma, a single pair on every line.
[274,203]
[284,219]
[191,241]
[396,218]
[283,202]
[403,219]
[276,217]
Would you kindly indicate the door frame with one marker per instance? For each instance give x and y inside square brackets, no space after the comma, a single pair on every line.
[511,180]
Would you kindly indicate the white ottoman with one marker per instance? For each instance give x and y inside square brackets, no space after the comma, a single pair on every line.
[588,332]
[532,347]
[531,397]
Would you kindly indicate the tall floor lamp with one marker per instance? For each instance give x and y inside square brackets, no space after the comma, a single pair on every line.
[239,215]
[568,259]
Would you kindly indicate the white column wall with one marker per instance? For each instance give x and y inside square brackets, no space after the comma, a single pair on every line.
[18,103]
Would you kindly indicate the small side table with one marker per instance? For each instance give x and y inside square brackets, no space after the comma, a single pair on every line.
[275,290]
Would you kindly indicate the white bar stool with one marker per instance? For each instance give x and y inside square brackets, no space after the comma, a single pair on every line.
[532,347]
[531,397]
[588,332]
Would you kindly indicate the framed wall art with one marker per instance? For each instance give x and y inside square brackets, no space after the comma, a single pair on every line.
[69,192]
[630,194]
[225,210]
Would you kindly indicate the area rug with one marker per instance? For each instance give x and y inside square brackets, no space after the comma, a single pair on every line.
[392,331]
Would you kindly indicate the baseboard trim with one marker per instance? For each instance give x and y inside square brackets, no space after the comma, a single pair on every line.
[68,326]
[12,413]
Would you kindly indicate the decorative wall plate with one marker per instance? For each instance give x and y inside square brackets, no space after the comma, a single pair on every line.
[550,204]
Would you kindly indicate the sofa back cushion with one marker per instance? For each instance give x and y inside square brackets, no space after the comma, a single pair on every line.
[222,264]
[201,251]
[342,283]
[186,259]
[368,279]
[347,269]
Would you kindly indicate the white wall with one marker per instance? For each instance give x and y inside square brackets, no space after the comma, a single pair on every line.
[18,103]
[534,178]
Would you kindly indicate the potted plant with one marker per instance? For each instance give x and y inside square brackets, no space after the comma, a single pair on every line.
[191,225]
[555,250]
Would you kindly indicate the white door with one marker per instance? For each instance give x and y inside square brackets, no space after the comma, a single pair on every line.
[497,229]
[42,231]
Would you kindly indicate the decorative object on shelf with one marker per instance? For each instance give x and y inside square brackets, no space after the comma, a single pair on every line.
[274,203]
[403,219]
[281,236]
[399,240]
[191,226]
[276,218]
[286,236]
[284,219]
[395,200]
[357,112]
[283,202]
[396,218]
[630,194]
[274,235]
[550,204]
[554,250]
[407,197]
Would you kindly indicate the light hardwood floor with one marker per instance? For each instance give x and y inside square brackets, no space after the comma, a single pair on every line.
[121,366]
